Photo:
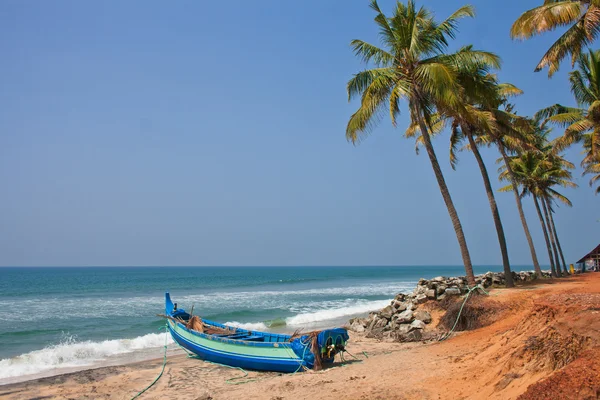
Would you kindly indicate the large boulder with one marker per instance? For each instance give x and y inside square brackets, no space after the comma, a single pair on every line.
[399,305]
[416,324]
[400,297]
[420,290]
[403,328]
[441,288]
[423,315]
[387,312]
[377,323]
[431,294]
[412,336]
[421,298]
[452,291]
[356,326]
[380,323]
[404,317]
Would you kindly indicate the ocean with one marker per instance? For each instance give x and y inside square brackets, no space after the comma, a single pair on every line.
[57,319]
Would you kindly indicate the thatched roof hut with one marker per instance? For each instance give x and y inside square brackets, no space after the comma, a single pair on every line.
[591,261]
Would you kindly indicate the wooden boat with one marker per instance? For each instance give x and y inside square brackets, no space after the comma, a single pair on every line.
[254,350]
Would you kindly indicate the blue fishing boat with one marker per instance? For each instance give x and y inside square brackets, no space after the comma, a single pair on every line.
[262,351]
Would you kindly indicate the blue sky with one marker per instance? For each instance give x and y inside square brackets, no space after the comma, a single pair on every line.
[212,133]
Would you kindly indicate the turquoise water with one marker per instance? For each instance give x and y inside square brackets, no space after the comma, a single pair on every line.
[69,317]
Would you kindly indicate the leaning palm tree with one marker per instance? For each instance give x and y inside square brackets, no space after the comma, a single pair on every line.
[577,121]
[412,64]
[560,175]
[560,251]
[582,17]
[537,173]
[481,90]
[513,133]
[524,169]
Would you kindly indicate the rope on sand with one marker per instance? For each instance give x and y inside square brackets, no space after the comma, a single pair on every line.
[163,366]
[447,335]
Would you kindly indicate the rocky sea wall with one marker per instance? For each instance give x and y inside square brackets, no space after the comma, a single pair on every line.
[406,320]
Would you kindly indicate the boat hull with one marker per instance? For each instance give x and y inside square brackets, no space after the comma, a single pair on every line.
[262,351]
[245,355]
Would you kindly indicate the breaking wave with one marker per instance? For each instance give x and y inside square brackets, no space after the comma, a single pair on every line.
[314,317]
[71,353]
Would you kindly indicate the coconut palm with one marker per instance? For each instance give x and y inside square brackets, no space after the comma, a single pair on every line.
[524,168]
[562,256]
[582,17]
[491,122]
[412,64]
[577,121]
[513,133]
[537,173]
[551,150]
[481,90]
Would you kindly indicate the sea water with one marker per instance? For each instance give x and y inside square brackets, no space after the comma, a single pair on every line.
[54,319]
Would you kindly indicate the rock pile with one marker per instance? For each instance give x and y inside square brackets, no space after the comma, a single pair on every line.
[403,321]
[400,321]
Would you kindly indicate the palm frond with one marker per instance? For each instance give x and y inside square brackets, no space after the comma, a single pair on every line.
[370,53]
[570,42]
[545,18]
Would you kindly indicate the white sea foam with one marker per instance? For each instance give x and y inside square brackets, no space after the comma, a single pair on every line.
[335,313]
[72,353]
[251,326]
[67,308]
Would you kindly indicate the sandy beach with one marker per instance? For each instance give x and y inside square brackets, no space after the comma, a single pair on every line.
[544,344]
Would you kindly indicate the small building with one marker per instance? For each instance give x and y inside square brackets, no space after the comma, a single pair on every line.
[591,261]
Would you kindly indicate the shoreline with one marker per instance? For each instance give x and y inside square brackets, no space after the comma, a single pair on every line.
[494,361]
[145,354]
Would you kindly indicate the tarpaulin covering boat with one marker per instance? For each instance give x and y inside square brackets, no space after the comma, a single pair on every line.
[254,350]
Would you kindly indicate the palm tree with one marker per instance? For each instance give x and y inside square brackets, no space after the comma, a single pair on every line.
[561,177]
[585,86]
[513,133]
[481,90]
[562,256]
[582,17]
[552,235]
[551,150]
[521,169]
[537,172]
[412,65]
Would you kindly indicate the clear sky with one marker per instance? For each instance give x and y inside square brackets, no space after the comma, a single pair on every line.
[212,133]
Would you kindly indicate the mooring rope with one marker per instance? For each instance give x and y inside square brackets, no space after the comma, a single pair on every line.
[447,335]
[166,328]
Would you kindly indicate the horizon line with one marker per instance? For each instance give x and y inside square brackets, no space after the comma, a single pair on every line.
[257,266]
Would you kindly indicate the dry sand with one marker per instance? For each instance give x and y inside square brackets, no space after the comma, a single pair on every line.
[544,345]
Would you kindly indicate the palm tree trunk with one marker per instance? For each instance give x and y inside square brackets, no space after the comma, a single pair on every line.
[551,234]
[513,181]
[462,242]
[494,208]
[537,207]
[562,257]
